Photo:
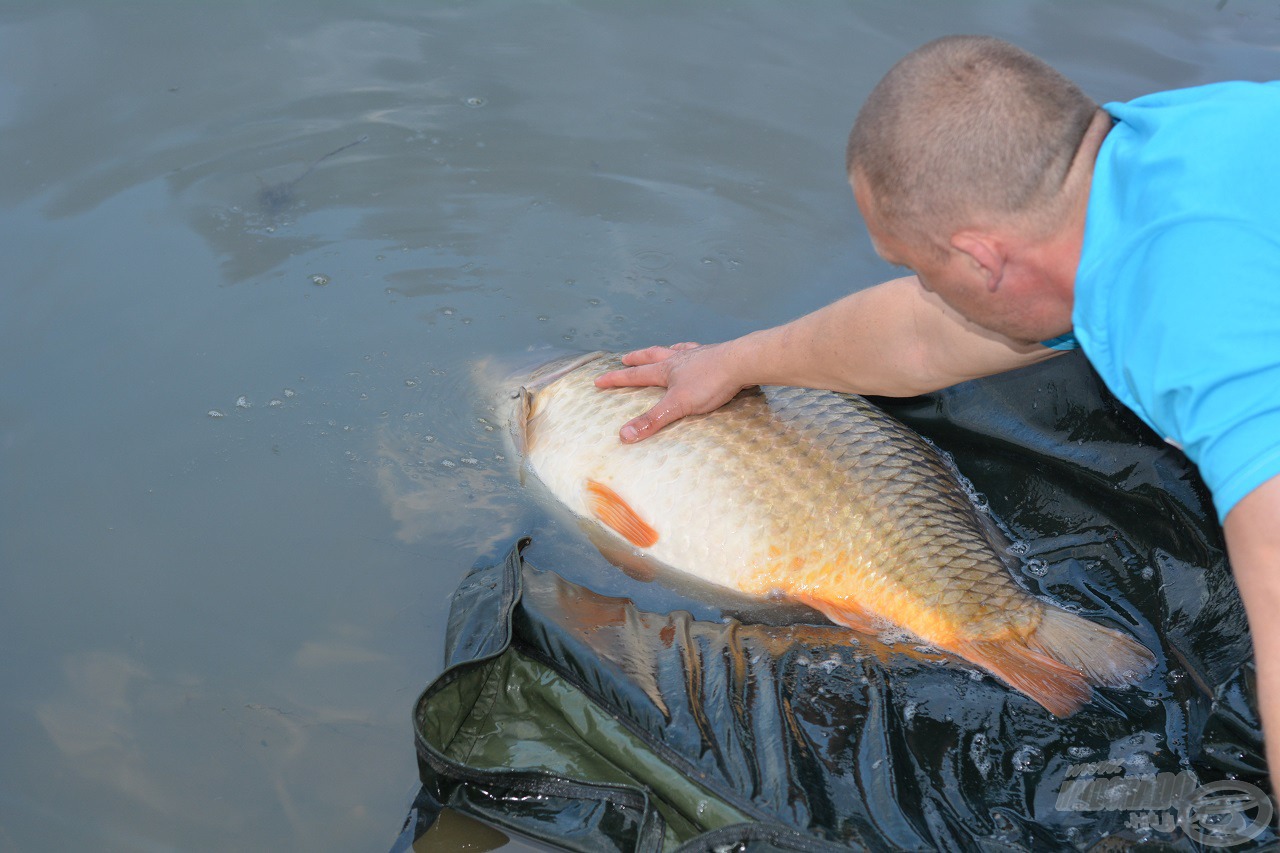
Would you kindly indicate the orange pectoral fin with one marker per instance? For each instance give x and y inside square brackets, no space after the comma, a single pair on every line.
[616,514]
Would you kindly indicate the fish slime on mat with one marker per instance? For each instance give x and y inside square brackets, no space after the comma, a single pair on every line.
[820,498]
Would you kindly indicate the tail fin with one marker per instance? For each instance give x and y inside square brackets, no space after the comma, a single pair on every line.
[1059,688]
[1106,657]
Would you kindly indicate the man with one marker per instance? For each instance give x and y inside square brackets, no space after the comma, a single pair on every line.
[1147,233]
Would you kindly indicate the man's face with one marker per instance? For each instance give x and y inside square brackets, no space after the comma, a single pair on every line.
[1018,307]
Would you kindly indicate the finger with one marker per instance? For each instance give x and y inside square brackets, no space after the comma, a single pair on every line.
[649,355]
[667,411]
[681,347]
[632,377]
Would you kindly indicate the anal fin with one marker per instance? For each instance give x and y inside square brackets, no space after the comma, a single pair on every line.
[1060,689]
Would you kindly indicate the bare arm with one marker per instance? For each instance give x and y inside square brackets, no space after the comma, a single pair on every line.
[896,339]
[1253,542]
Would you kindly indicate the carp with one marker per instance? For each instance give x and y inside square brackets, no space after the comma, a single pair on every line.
[818,498]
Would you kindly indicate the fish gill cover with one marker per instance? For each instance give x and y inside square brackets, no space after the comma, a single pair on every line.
[586,723]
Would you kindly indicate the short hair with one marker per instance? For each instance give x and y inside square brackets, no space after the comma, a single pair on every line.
[965,127]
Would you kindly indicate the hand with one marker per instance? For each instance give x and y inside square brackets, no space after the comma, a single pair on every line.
[697,378]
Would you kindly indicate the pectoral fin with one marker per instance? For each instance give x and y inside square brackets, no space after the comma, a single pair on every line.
[616,514]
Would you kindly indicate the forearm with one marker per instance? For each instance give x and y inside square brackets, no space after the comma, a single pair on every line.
[894,339]
[1253,541]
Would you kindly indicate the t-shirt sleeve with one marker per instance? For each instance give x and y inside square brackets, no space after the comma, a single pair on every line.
[1204,352]
[1062,342]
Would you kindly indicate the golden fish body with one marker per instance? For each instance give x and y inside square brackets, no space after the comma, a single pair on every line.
[820,498]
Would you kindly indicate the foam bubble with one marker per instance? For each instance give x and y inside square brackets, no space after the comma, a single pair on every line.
[1027,758]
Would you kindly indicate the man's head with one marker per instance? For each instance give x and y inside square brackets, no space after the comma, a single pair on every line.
[962,163]
[966,131]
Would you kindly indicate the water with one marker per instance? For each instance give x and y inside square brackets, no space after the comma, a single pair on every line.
[242,461]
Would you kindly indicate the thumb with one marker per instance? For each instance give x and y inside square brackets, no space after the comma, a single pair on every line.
[665,412]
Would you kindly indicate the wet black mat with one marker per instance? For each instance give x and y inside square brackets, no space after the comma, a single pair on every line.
[584,722]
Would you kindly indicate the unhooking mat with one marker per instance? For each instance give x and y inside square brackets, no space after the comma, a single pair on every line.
[584,723]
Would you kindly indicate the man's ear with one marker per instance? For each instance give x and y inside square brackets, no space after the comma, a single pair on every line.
[984,253]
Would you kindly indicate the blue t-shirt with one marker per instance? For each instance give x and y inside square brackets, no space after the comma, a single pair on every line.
[1177,296]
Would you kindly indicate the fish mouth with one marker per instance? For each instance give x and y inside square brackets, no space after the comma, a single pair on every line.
[510,383]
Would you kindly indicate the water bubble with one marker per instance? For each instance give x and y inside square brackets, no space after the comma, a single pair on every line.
[652,260]
[909,711]
[474,101]
[447,311]
[449,463]
[214,413]
[469,460]
[1019,547]
[1079,752]
[411,383]
[978,754]
[289,392]
[1037,567]
[1148,573]
[543,318]
[275,404]
[242,402]
[319,280]
[1027,758]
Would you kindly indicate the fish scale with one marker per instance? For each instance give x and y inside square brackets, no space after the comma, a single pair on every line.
[821,498]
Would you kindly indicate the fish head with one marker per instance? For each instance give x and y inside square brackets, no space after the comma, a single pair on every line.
[514,383]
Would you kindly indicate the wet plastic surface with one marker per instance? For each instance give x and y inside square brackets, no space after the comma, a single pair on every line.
[585,722]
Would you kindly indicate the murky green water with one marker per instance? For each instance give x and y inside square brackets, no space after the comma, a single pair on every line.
[242,463]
